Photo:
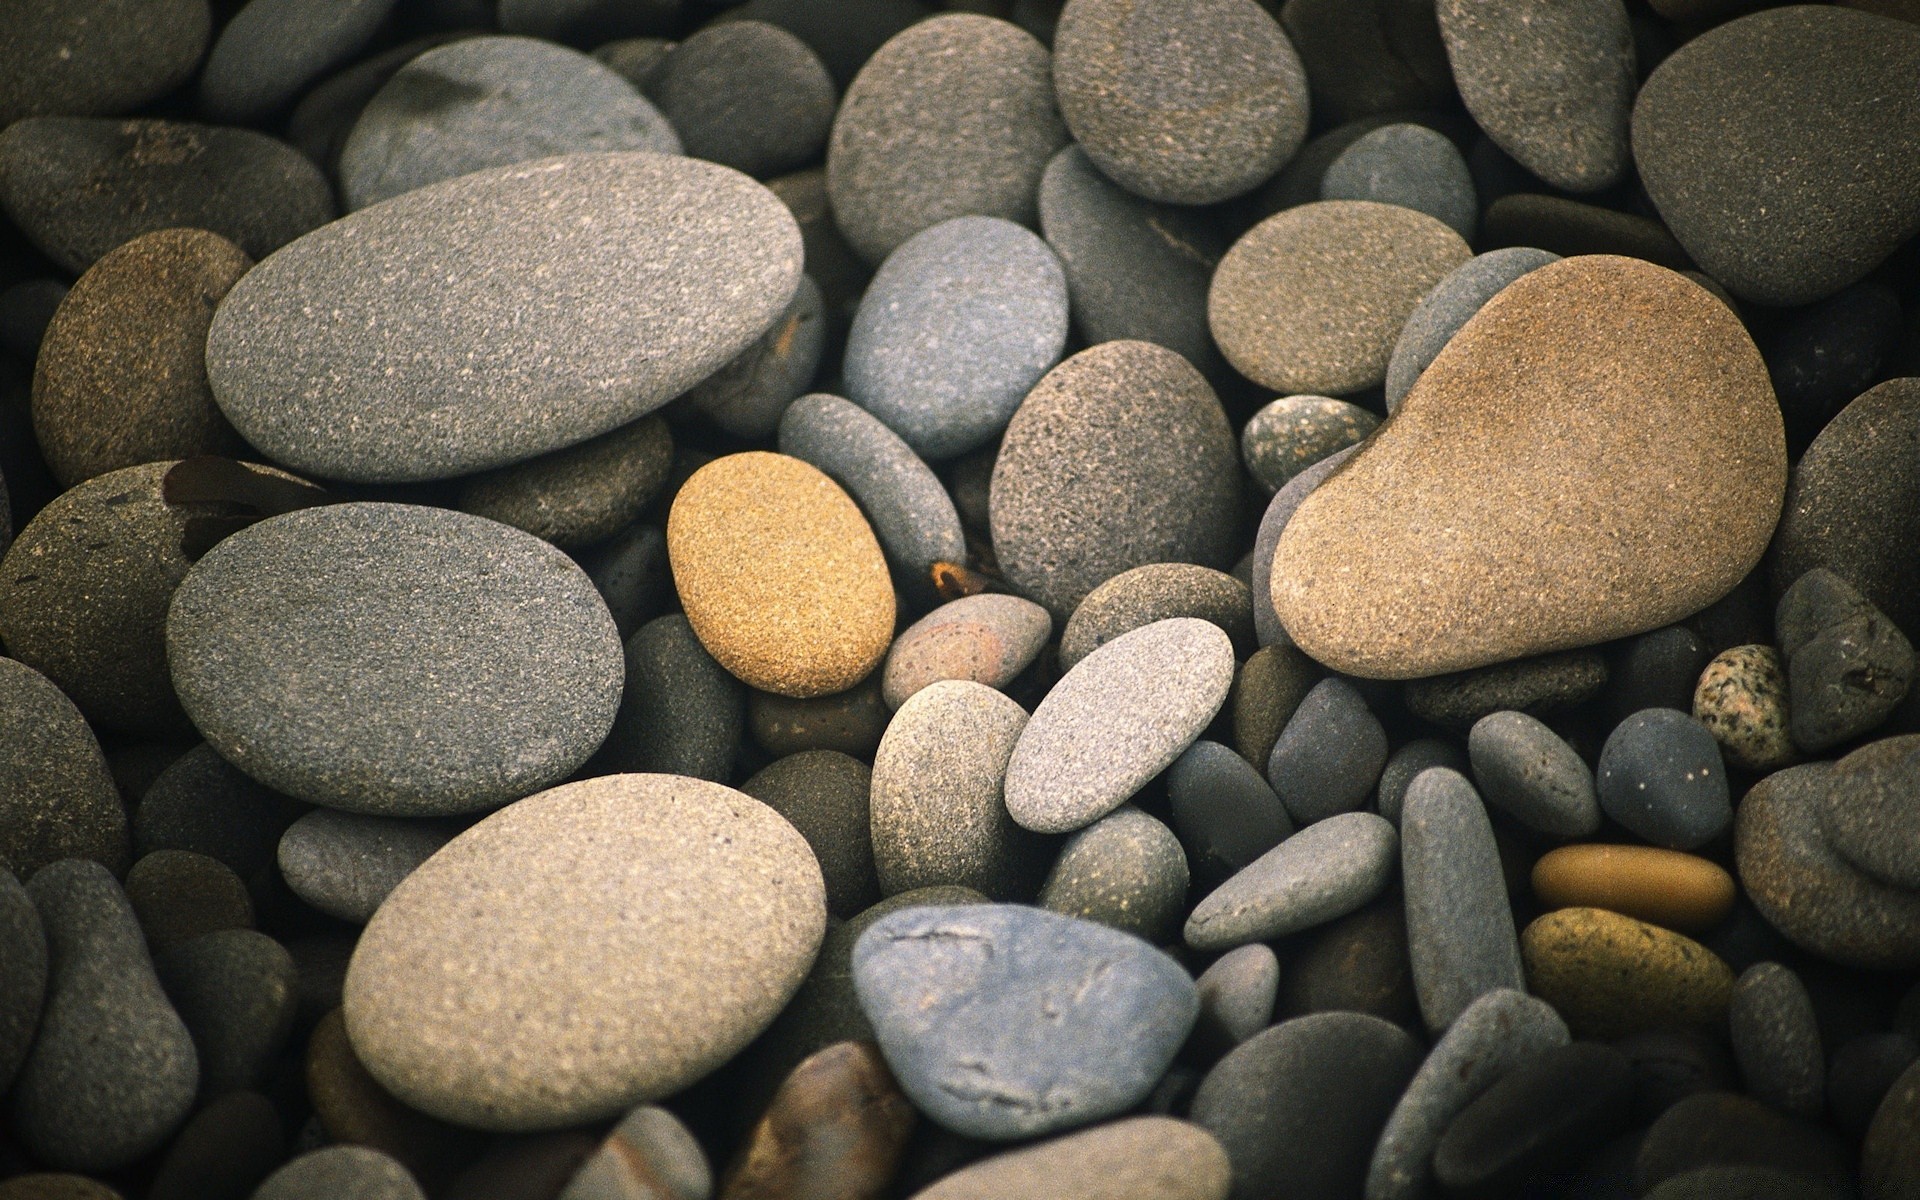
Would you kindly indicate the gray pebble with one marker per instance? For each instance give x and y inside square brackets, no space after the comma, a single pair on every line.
[319,124]
[681,713]
[748,95]
[1005,1022]
[1546,684]
[959,323]
[1409,165]
[1126,870]
[1237,994]
[56,798]
[235,990]
[989,638]
[1848,666]
[1157,592]
[582,494]
[1404,764]
[1292,433]
[344,864]
[23,974]
[178,895]
[637,60]
[630,570]
[108,57]
[1226,814]
[1323,872]
[649,1155]
[272,49]
[747,397]
[1450,304]
[1527,771]
[203,803]
[1120,717]
[1460,932]
[339,1171]
[1280,510]
[1776,1040]
[826,796]
[1660,775]
[585,22]
[281,642]
[1329,755]
[1870,812]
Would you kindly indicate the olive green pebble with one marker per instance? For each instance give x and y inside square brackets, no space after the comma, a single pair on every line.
[1610,975]
[1742,700]
[1268,687]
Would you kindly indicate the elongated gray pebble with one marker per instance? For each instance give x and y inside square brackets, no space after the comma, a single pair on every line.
[1460,933]
[345,864]
[1327,870]
[1776,1040]
[1527,771]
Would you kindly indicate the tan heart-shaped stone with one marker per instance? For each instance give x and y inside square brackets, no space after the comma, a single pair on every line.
[1598,452]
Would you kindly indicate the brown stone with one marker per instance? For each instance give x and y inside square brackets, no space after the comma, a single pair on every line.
[1268,687]
[1138,1158]
[1596,453]
[835,1131]
[1663,887]
[1610,975]
[850,721]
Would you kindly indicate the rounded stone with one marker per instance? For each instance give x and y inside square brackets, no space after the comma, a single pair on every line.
[1660,775]
[1544,1114]
[851,722]
[205,804]
[1409,165]
[1848,666]
[748,396]
[1226,814]
[1156,592]
[1550,683]
[672,266]
[1117,719]
[1119,457]
[1311,299]
[281,643]
[1404,766]
[825,795]
[1357,963]
[1324,871]
[1237,995]
[236,991]
[23,974]
[270,50]
[178,895]
[839,1116]
[1136,1158]
[345,864]
[1751,141]
[1292,433]
[1267,691]
[56,798]
[704,909]
[1610,975]
[959,323]
[1328,757]
[223,1151]
[486,102]
[105,58]
[630,569]
[680,712]
[357,1171]
[1776,1040]
[1741,699]
[1870,812]
[1126,871]
[121,378]
[1664,887]
[1889,1152]
[582,494]
[1460,934]
[780,574]
[1616,386]
[1721,1129]
[748,95]
[1528,771]
[649,1155]
[1368,61]
[952,117]
[987,639]
[1863,1071]
[1451,304]
[1187,104]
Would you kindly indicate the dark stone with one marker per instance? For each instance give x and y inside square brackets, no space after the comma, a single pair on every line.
[1223,810]
[839,1117]
[179,895]
[356,1171]
[851,722]
[1890,1153]
[1535,686]
[824,794]
[1870,812]
[1329,756]
[1410,165]
[23,974]
[844,36]
[1776,1040]
[534,1167]
[223,1151]
[1660,775]
[749,95]
[749,395]
[345,864]
[1127,871]
[1654,670]
[630,570]
[1671,1064]
[1569,228]
[1862,1073]
[649,1155]
[1848,665]
[1405,764]
[1451,304]
[1325,871]
[1355,964]
[1723,1129]
[353,1109]
[98,59]
[1544,1114]
[56,799]
[320,122]
[1826,354]
[681,713]
[271,49]
[205,804]
[235,991]
[581,494]
[1374,57]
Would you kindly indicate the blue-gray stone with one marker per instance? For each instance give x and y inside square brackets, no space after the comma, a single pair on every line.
[1460,936]
[112,1071]
[491,102]
[1501,1030]
[909,508]
[1660,775]
[236,991]
[344,864]
[1223,810]
[681,713]
[507,330]
[336,1171]
[395,659]
[1329,755]
[1004,1022]
[23,974]
[1449,306]
[272,49]
[1325,871]
[1529,772]
[957,326]
[747,397]
[1409,165]
[1406,763]
[1280,510]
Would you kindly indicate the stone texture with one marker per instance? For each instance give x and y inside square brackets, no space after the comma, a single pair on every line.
[1719,1128]
[1526,770]
[100,59]
[1237,995]
[748,396]
[1848,666]
[1270,685]
[582,494]
[1226,814]
[1664,887]
[1660,775]
[837,1127]
[1674,436]
[1741,700]
[1451,304]
[205,804]
[1543,1115]
[1322,872]
[1776,1040]
[23,974]
[680,712]
[748,95]
[1137,1158]
[1329,756]
[235,991]
[825,795]
[851,722]
[345,864]
[1551,683]
[56,799]
[1156,592]
[649,1155]
[1369,59]
[178,896]
[1127,871]
[356,1171]
[223,1151]
[270,50]
[1459,929]
[1610,975]
[1266,539]
[1870,812]
[1409,165]
[1404,766]
[987,639]
[1887,1158]
[1292,433]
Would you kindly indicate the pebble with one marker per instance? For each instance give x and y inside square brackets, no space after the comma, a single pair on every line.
[1571,228]
[56,799]
[1005,1022]
[1136,1158]
[1451,304]
[1404,766]
[1325,871]
[1328,758]
[223,1151]
[780,574]
[1776,1040]
[1526,770]
[938,818]
[1299,1107]
[23,974]
[825,795]
[911,512]
[272,49]
[1693,488]
[1660,775]
[1292,433]
[1870,812]
[112,1071]
[1409,165]
[649,1155]
[952,117]
[121,377]
[1662,887]
[836,1128]
[748,396]
[582,494]
[1723,1129]
[1135,270]
[1654,670]
[351,1107]
[103,59]
[485,102]
[1853,494]
[1744,1183]
[203,803]
[1863,1072]
[78,187]
[357,1171]
[1551,84]
[1122,715]
[1268,689]
[1498,1033]
[1226,814]
[1848,666]
[234,989]
[345,863]
[851,722]
[1357,963]
[680,712]
[1459,929]
[464,370]
[1543,1114]
[1742,701]
[320,122]
[1311,299]
[178,895]
[1129,439]
[705,909]
[748,95]
[960,322]
[987,639]
[529,1168]
[52,1185]
[1610,975]
[630,570]
[1815,93]
[1156,592]
[281,645]
[1127,871]
[1366,61]
[1551,683]
[1193,105]
[1237,995]
[1890,1154]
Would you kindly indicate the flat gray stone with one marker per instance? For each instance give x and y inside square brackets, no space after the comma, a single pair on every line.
[1325,871]
[1126,870]
[990,639]
[1005,1022]
[56,798]
[282,641]
[1527,771]
[358,1171]
[1448,306]
[1156,592]
[479,364]
[269,51]
[1460,933]
[345,864]
[1329,754]
[1120,717]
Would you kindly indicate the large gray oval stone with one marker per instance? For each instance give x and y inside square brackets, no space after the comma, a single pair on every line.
[395,659]
[517,310]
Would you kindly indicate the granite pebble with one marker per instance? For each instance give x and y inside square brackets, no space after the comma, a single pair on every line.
[1404,766]
[1544,1114]
[1156,592]
[1540,686]
[103,59]
[23,974]
[178,895]
[1292,433]
[748,396]
[1741,699]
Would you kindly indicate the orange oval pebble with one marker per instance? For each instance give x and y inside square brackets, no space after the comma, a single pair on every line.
[1664,887]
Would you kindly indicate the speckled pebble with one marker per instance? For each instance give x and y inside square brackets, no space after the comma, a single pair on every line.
[1322,872]
[987,639]
[56,799]
[582,494]
[825,795]
[1156,592]
[1527,770]
[1451,303]
[1292,433]
[357,1171]
[1460,933]
[1660,775]
[1741,699]
[748,95]
[1409,165]
[1776,1040]
[1610,975]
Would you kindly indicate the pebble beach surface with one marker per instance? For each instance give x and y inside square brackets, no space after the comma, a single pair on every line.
[959,600]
